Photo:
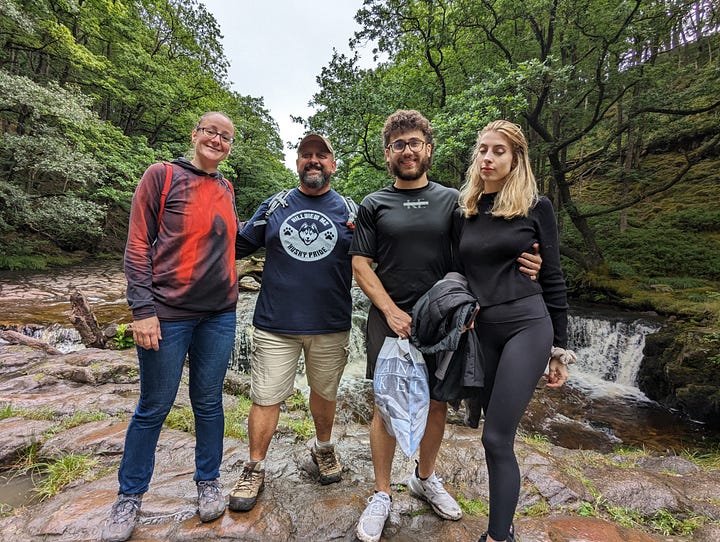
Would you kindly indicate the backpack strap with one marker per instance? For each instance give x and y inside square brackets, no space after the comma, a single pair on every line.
[278,200]
[352,209]
[164,193]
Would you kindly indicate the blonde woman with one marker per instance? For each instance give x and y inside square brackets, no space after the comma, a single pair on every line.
[502,215]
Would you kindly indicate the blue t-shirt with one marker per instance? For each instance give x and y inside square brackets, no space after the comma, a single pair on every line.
[307,274]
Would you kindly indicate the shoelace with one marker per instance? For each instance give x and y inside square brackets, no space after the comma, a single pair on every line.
[209,491]
[247,477]
[377,505]
[326,458]
[123,509]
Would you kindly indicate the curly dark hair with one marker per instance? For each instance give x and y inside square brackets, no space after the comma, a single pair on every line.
[406,120]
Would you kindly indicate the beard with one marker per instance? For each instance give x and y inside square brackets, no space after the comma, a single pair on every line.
[422,166]
[314,182]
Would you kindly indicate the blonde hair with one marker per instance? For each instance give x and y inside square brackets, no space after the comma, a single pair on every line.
[519,193]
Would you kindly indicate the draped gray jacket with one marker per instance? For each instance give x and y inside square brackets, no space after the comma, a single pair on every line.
[437,328]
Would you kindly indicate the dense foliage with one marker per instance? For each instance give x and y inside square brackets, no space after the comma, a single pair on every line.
[601,88]
[620,101]
[91,93]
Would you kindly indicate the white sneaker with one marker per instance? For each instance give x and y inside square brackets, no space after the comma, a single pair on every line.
[372,520]
[435,494]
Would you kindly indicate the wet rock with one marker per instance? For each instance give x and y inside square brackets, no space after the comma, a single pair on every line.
[249,284]
[17,435]
[556,482]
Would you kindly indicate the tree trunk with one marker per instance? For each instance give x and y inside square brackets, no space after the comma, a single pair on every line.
[83,318]
[13,337]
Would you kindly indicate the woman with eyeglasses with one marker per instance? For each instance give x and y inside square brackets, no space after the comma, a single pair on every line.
[522,322]
[182,290]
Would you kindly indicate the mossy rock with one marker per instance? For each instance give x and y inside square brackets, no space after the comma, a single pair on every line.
[680,371]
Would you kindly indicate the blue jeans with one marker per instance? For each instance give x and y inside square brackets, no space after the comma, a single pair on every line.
[207,343]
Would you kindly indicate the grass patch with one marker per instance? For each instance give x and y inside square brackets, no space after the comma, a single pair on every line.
[535,439]
[77,419]
[59,473]
[42,414]
[181,419]
[538,510]
[706,460]
[7,411]
[667,524]
[26,459]
[236,418]
[303,427]
[472,507]
[81,418]
[662,522]
[296,401]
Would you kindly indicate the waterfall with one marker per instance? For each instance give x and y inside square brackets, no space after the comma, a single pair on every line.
[609,353]
[64,339]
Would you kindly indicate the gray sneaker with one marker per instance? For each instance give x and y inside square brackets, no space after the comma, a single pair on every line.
[245,493]
[211,503]
[435,494]
[123,518]
[371,523]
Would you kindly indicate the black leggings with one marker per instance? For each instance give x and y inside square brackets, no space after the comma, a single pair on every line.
[516,354]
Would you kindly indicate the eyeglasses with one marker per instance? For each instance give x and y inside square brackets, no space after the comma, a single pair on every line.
[212,133]
[416,145]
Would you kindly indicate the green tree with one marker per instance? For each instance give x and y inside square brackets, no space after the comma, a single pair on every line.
[587,79]
[95,91]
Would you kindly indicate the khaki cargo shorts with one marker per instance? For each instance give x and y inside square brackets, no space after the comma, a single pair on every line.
[275,359]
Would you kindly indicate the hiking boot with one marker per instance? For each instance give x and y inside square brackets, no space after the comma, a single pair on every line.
[245,493]
[434,493]
[510,537]
[211,503]
[123,518]
[372,520]
[327,463]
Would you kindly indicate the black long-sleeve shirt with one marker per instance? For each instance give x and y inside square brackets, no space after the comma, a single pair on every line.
[489,247]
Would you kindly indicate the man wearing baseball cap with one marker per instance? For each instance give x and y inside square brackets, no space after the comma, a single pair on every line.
[304,306]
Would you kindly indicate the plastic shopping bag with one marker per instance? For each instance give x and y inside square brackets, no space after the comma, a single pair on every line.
[402,393]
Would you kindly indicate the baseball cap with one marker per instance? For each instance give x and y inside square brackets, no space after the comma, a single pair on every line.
[316,137]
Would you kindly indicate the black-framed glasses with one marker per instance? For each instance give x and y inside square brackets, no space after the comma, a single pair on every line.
[212,133]
[416,145]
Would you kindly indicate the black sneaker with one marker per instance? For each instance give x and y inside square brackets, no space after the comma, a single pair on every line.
[123,518]
[510,536]
[211,503]
[245,493]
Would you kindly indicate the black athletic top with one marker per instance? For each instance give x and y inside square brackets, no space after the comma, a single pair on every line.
[407,232]
[489,247]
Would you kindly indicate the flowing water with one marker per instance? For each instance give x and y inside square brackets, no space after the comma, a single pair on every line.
[600,408]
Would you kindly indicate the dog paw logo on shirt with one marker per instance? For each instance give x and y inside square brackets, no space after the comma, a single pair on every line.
[308,235]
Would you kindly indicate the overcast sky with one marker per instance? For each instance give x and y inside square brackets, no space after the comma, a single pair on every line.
[276,49]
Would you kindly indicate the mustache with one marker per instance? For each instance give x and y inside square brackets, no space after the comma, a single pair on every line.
[310,167]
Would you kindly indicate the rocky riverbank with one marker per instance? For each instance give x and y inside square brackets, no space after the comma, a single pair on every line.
[567,495]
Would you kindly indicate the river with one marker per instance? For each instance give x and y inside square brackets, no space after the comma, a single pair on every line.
[601,407]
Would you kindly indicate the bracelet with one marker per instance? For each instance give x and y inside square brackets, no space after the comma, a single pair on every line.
[565,356]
